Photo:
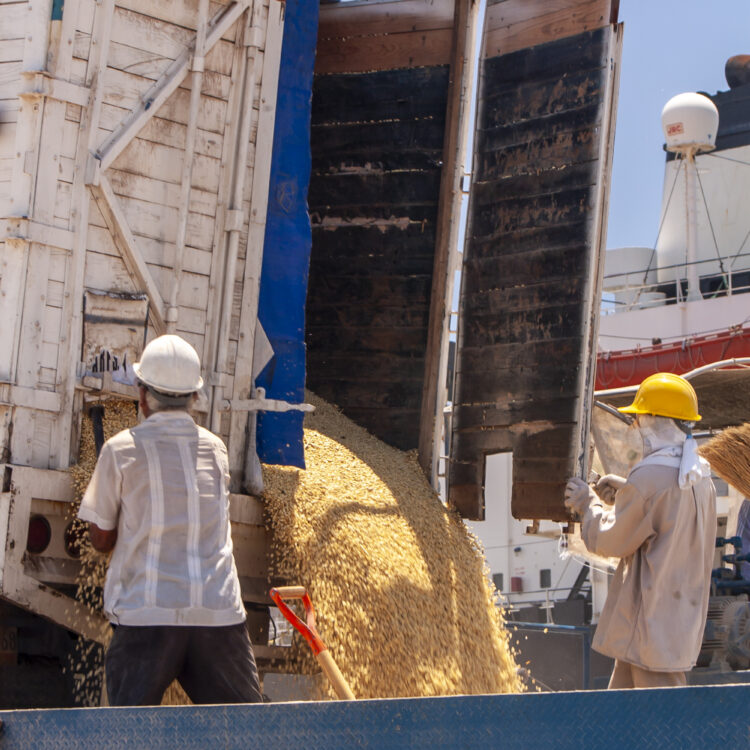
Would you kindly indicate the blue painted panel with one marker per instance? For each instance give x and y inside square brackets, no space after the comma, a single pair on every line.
[286,253]
[693,718]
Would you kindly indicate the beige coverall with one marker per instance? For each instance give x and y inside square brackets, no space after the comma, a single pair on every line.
[653,620]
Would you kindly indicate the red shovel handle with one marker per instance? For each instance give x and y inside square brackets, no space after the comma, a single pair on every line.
[306,630]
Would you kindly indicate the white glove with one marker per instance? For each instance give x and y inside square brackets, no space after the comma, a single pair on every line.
[608,486]
[577,495]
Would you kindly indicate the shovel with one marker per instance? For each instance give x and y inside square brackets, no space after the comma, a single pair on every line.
[310,634]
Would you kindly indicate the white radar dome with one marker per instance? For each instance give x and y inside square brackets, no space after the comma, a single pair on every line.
[690,121]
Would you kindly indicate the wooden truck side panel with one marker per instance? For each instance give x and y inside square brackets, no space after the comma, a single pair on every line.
[531,275]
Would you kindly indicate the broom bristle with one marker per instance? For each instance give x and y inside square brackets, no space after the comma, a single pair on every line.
[729,456]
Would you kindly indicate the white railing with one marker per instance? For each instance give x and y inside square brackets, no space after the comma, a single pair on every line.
[544,601]
[639,292]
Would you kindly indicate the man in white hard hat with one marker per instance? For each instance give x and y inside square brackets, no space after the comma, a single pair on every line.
[158,499]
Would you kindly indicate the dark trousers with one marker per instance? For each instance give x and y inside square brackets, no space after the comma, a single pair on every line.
[213,664]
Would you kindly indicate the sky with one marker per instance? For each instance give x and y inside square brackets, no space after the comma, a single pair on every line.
[669,47]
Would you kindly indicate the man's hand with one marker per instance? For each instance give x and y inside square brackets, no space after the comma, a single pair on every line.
[577,495]
[608,486]
[102,540]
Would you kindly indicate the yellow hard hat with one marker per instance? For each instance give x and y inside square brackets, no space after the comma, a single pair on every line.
[665,395]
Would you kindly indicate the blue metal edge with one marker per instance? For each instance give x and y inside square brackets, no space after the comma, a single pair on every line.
[692,717]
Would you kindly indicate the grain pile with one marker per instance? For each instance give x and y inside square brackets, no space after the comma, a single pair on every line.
[729,456]
[402,595]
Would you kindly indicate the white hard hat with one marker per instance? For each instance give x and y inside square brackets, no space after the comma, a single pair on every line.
[170,365]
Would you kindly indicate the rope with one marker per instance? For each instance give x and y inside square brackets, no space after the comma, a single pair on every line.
[737,254]
[658,234]
[711,225]
[727,158]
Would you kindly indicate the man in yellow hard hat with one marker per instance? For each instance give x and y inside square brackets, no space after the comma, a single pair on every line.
[662,526]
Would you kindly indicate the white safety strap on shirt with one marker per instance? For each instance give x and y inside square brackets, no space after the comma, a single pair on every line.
[157,521]
[193,529]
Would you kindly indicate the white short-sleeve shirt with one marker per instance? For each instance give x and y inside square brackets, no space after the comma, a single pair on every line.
[164,486]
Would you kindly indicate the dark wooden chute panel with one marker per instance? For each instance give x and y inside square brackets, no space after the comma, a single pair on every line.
[531,272]
[377,142]
[380,98]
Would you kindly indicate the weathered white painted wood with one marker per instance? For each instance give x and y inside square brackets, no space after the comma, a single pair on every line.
[158,222]
[171,132]
[163,88]
[36,34]
[155,253]
[55,297]
[125,88]
[70,337]
[12,21]
[57,264]
[111,208]
[78,68]
[84,16]
[42,84]
[9,110]
[66,167]
[73,113]
[12,276]
[11,50]
[63,207]
[48,356]
[127,184]
[33,194]
[10,78]
[242,453]
[192,319]
[28,132]
[33,231]
[17,525]
[32,330]
[164,163]
[14,259]
[139,39]
[193,291]
[180,12]
[62,34]
[107,272]
[7,144]
[52,320]
[41,454]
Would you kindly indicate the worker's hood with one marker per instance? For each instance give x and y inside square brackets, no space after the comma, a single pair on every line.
[658,433]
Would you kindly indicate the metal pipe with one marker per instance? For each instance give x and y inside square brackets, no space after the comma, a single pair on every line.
[694,289]
[235,205]
[740,362]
